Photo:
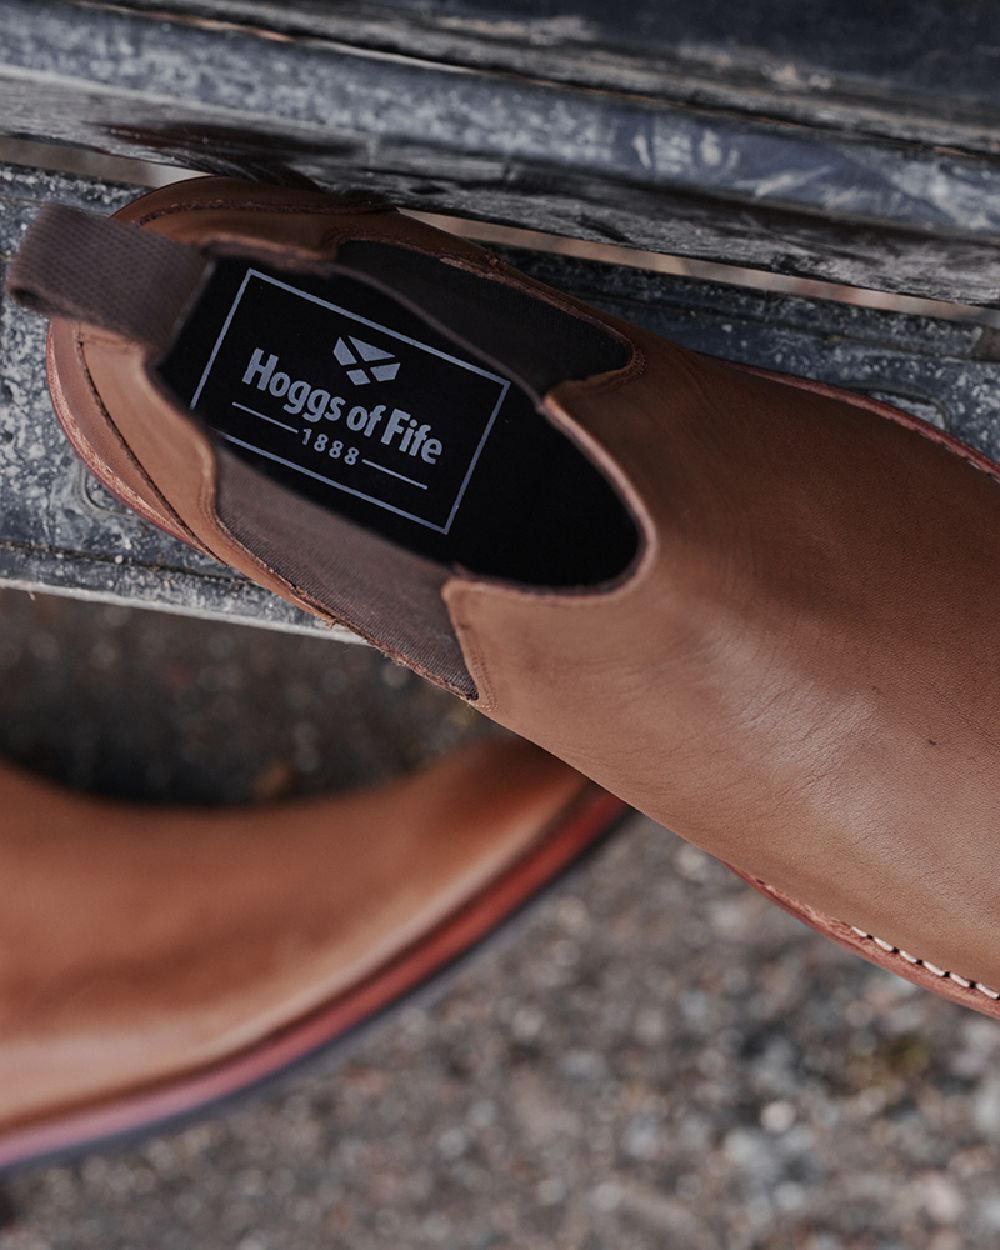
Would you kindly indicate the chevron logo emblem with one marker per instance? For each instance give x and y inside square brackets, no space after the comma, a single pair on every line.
[365,363]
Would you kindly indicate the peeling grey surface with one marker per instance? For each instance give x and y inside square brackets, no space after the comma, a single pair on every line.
[923,70]
[506,144]
[60,529]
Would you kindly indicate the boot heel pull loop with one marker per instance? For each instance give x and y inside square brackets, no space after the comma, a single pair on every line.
[106,273]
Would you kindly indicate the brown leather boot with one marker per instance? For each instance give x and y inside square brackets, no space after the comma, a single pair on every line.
[153,960]
[759,610]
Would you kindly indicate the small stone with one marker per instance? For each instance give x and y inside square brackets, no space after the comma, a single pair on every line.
[777,1117]
[607,1196]
[941,1198]
[650,1025]
[452,1143]
[986,1107]
[550,1191]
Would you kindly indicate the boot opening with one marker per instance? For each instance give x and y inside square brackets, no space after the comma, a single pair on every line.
[403,394]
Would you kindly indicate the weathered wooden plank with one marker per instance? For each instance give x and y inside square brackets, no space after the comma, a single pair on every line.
[916,69]
[505,144]
[59,530]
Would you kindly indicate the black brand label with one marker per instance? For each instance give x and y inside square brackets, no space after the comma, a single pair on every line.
[348,401]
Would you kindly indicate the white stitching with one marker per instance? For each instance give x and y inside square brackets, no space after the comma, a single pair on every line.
[964,982]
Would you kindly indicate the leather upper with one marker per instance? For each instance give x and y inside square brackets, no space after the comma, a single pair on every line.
[797,674]
[139,943]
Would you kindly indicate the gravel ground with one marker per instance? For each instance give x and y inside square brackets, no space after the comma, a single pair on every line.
[656,1058]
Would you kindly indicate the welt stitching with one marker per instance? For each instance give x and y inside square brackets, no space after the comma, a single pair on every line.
[933,969]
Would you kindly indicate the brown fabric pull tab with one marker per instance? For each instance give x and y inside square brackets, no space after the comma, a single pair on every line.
[106,273]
